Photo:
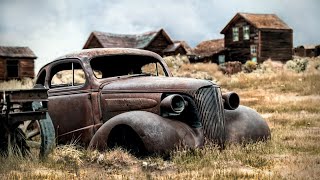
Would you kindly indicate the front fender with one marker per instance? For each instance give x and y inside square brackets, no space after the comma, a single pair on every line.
[158,134]
[245,125]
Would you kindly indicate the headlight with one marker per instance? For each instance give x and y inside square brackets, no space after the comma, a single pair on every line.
[173,104]
[231,100]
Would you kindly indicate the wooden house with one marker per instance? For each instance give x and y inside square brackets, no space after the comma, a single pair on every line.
[189,50]
[257,37]
[185,45]
[16,63]
[174,49]
[210,51]
[307,51]
[156,41]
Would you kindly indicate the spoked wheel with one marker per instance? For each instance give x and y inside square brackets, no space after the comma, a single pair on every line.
[39,136]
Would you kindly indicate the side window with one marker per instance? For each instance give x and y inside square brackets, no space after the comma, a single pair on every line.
[253,49]
[67,74]
[12,68]
[154,69]
[246,32]
[235,34]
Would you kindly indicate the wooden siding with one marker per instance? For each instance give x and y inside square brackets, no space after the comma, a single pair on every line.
[26,68]
[299,52]
[159,43]
[2,68]
[302,52]
[275,44]
[240,50]
[310,53]
[317,50]
[94,43]
[180,50]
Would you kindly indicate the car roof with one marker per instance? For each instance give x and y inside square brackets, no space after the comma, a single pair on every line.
[91,53]
[96,52]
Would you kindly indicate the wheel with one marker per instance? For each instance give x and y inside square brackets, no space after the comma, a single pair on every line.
[12,141]
[125,137]
[39,136]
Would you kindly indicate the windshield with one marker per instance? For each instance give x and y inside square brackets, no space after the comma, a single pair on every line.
[122,65]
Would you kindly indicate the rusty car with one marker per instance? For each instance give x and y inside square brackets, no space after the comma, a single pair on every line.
[108,97]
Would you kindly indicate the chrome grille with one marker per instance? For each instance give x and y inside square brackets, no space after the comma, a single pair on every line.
[210,107]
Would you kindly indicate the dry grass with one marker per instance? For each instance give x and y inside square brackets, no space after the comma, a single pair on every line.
[26,83]
[289,101]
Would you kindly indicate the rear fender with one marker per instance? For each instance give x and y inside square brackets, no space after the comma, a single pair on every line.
[245,125]
[158,134]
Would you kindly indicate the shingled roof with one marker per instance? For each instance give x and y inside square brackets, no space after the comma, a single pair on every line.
[260,21]
[186,46]
[139,41]
[16,52]
[207,48]
[172,47]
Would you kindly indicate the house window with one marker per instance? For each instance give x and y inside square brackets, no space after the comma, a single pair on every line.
[253,49]
[12,68]
[221,59]
[235,33]
[246,32]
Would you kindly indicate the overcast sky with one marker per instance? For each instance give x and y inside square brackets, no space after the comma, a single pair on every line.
[54,27]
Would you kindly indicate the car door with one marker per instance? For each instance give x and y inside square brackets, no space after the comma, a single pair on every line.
[69,104]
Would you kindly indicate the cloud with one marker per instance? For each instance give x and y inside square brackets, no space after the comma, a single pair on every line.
[54,27]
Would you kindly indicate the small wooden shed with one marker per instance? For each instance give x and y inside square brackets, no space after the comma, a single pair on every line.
[210,51]
[16,62]
[258,37]
[156,41]
[174,49]
[189,50]
[306,51]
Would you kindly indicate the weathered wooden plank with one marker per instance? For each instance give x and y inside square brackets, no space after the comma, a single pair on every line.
[159,43]
[26,63]
[94,43]
[26,68]
[276,45]
[2,69]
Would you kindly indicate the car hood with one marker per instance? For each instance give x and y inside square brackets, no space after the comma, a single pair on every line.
[155,84]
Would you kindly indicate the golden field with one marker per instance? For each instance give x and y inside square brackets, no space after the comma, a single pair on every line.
[288,99]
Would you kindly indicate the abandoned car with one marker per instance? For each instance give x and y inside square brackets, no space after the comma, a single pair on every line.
[108,97]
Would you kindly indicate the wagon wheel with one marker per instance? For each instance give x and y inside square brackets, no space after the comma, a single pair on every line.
[39,135]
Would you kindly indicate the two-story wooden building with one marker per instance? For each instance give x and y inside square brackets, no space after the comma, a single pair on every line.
[156,41]
[257,37]
[16,63]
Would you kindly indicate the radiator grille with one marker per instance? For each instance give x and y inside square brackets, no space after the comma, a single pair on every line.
[210,107]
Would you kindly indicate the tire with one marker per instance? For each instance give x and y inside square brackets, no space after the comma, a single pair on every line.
[47,134]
